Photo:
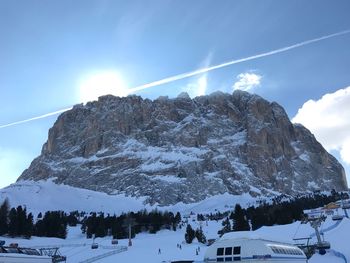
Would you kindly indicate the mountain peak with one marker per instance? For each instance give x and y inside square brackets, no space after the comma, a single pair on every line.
[184,150]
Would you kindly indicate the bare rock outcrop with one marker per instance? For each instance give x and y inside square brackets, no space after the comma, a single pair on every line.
[184,150]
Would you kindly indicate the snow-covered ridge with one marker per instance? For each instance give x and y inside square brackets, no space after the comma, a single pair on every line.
[44,196]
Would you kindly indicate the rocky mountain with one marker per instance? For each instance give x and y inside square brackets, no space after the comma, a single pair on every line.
[185,150]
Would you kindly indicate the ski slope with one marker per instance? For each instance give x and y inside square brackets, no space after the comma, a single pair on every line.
[45,196]
[146,246]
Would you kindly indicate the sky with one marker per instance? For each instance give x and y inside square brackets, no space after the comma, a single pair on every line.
[55,54]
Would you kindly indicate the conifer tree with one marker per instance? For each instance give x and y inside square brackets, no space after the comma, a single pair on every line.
[12,226]
[53,224]
[101,230]
[226,227]
[29,227]
[21,220]
[200,236]
[4,212]
[178,218]
[240,222]
[257,218]
[190,234]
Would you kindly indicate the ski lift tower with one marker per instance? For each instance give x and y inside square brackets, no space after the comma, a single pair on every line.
[129,223]
[345,206]
[321,245]
[315,217]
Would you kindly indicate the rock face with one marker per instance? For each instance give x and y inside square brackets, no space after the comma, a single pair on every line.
[184,149]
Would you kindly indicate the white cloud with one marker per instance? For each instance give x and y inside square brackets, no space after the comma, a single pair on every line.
[247,81]
[329,120]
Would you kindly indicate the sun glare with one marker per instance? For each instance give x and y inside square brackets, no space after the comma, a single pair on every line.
[101,83]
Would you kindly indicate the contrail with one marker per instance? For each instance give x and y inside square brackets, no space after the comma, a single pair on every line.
[203,70]
[200,71]
[35,118]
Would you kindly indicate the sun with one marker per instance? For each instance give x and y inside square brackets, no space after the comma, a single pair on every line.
[101,83]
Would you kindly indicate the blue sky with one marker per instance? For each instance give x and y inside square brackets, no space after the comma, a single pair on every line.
[48,48]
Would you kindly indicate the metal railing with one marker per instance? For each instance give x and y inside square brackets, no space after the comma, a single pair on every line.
[108,254]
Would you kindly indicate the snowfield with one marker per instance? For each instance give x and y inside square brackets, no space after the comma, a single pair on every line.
[47,196]
[43,196]
[145,247]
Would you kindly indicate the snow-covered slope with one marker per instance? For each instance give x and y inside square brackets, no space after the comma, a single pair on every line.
[146,246]
[43,196]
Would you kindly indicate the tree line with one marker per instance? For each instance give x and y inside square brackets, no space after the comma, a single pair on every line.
[16,222]
[99,225]
[280,210]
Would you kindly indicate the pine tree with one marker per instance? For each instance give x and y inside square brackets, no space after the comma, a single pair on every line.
[72,219]
[226,227]
[178,218]
[200,236]
[4,212]
[240,221]
[21,220]
[190,234]
[101,230]
[91,225]
[29,227]
[12,226]
[257,218]
[53,224]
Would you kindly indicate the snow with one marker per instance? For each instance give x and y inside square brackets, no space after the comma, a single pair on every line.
[254,189]
[312,185]
[183,95]
[151,154]
[167,178]
[237,139]
[145,246]
[338,236]
[144,249]
[182,154]
[328,258]
[305,157]
[43,196]
[155,166]
[46,195]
